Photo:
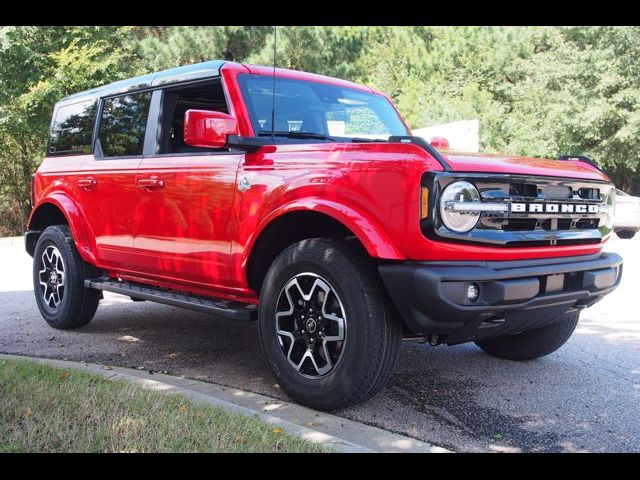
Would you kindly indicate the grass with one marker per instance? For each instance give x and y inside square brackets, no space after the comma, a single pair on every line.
[45,409]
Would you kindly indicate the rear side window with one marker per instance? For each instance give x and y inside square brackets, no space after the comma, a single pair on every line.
[122,125]
[72,129]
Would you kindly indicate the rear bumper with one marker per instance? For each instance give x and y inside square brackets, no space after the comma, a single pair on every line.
[514,295]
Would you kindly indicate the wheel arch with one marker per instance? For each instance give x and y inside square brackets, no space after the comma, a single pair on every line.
[298,221]
[58,209]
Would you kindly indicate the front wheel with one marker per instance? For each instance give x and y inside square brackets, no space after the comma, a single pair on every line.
[58,280]
[532,344]
[327,329]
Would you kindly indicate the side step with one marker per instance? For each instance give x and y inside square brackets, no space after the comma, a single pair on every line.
[220,307]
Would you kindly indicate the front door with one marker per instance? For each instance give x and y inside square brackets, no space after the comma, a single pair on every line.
[186,194]
[183,217]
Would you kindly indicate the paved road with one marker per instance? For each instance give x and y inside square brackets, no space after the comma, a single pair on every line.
[585,397]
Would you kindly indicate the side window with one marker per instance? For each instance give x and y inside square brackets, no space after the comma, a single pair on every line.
[176,101]
[72,129]
[122,125]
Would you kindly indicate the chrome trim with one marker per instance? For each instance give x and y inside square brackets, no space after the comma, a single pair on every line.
[473,207]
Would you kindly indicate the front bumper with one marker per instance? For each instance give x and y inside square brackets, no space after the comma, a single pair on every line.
[514,295]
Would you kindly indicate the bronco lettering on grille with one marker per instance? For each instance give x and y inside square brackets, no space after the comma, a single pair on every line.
[552,208]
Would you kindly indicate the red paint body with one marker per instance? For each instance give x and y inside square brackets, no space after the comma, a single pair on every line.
[181,221]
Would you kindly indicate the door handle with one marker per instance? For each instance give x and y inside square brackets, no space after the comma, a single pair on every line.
[87,183]
[152,183]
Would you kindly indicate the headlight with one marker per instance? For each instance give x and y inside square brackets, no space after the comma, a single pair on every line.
[456,220]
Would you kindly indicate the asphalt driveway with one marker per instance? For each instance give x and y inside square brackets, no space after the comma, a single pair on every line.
[585,397]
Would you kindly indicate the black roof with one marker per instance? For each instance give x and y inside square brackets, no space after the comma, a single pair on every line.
[196,71]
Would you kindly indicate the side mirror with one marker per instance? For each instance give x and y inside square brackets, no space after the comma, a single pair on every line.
[206,128]
[439,142]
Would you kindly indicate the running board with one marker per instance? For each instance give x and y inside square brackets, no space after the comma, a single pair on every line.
[220,307]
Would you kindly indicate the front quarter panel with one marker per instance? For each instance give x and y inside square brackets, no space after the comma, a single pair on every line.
[372,189]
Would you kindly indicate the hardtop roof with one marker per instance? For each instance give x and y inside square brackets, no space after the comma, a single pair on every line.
[196,71]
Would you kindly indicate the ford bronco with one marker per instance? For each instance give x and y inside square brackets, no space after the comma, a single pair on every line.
[304,202]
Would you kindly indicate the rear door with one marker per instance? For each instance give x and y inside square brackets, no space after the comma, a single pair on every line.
[183,216]
[107,183]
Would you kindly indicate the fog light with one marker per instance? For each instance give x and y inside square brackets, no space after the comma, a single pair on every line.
[473,292]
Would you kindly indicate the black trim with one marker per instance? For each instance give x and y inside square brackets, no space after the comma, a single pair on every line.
[582,158]
[151,133]
[247,144]
[220,307]
[422,143]
[204,153]
[30,239]
[514,295]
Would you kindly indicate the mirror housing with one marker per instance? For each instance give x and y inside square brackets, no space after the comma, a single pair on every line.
[440,142]
[207,128]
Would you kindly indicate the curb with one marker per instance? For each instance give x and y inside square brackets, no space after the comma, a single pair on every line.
[338,434]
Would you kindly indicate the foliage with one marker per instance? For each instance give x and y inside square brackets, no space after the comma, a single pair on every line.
[38,66]
[538,91]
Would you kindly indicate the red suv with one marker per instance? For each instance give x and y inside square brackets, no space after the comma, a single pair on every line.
[304,202]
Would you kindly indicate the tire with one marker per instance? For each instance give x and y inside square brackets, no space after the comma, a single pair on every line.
[64,303]
[532,344]
[362,359]
[626,234]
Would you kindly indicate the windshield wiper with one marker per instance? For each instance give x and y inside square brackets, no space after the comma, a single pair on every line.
[311,135]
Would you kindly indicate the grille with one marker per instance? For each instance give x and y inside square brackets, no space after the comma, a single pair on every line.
[538,210]
[541,191]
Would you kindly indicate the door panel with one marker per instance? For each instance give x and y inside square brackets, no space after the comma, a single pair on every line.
[183,216]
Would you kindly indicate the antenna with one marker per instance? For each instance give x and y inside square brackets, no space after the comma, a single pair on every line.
[273,90]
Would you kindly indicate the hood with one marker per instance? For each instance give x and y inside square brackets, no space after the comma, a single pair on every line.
[483,163]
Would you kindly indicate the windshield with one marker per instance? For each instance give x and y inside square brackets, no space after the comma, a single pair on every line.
[318,108]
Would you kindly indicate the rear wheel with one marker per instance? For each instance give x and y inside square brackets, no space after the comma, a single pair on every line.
[58,280]
[532,344]
[329,333]
[626,234]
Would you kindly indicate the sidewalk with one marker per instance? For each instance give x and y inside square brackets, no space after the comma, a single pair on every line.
[337,433]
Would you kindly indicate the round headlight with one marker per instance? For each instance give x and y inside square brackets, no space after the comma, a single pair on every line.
[458,220]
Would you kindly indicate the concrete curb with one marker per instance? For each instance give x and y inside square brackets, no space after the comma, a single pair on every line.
[336,433]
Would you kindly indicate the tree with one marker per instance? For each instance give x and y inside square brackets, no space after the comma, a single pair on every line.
[165,47]
[332,51]
[38,66]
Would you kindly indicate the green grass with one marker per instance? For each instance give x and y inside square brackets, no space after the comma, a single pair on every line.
[45,409]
